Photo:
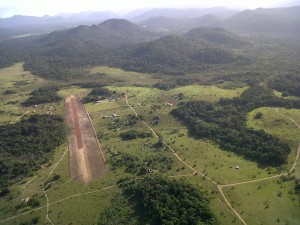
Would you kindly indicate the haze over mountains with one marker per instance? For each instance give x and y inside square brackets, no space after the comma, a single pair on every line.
[166,20]
[170,41]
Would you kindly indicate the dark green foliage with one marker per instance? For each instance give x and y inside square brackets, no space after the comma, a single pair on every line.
[159,144]
[133,134]
[225,123]
[258,115]
[172,55]
[174,81]
[133,165]
[33,202]
[55,177]
[89,84]
[158,162]
[26,145]
[217,36]
[297,186]
[63,54]
[100,91]
[124,159]
[288,84]
[131,120]
[5,191]
[120,212]
[9,92]
[43,95]
[96,94]
[35,220]
[163,201]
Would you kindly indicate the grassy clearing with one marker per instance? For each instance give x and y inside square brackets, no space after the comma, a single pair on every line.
[73,90]
[270,202]
[29,187]
[203,155]
[125,76]
[279,94]
[218,164]
[278,125]
[85,209]
[15,78]
[20,83]
[207,93]
[217,204]
[98,107]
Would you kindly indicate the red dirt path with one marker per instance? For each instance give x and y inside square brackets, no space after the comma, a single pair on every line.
[76,123]
[87,162]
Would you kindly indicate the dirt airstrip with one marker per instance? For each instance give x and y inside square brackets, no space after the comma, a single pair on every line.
[87,162]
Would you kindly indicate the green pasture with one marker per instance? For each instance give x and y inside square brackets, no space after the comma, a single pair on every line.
[279,125]
[17,79]
[206,93]
[21,83]
[267,202]
[72,90]
[117,74]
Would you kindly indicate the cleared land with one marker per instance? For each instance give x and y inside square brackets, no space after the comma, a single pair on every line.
[86,160]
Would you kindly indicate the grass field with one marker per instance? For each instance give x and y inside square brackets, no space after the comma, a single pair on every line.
[71,90]
[278,125]
[208,93]
[267,202]
[117,74]
[20,83]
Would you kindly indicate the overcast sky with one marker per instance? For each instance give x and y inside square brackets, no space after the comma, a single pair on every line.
[51,7]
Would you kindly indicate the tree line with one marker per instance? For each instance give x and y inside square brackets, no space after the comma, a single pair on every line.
[43,95]
[168,202]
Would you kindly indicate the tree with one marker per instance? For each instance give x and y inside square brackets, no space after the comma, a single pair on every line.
[258,115]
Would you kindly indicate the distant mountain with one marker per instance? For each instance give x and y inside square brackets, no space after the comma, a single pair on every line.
[18,21]
[168,25]
[20,25]
[116,43]
[276,20]
[82,46]
[217,36]
[181,25]
[187,13]
[209,20]
[111,32]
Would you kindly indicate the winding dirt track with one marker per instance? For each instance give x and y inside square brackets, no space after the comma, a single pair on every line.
[87,163]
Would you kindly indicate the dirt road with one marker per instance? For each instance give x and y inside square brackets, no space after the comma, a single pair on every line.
[87,162]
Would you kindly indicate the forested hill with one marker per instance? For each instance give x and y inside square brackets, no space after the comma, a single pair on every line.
[277,20]
[181,25]
[218,36]
[171,55]
[109,33]
[117,43]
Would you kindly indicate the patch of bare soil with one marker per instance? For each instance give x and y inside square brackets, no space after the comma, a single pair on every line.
[87,162]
